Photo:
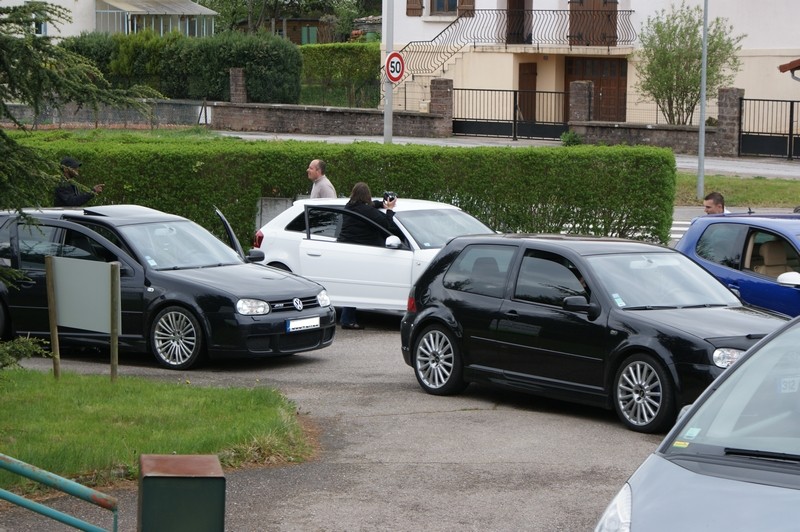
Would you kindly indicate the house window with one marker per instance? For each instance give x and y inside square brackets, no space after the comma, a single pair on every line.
[444,7]
[39,26]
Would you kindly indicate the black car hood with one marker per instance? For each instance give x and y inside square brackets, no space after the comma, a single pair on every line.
[247,280]
[714,322]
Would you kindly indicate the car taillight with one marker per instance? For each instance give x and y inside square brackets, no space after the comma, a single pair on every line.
[411,306]
[258,239]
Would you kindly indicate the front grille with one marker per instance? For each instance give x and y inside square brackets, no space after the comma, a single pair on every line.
[287,305]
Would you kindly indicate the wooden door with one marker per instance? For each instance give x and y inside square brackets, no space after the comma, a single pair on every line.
[527,94]
[515,31]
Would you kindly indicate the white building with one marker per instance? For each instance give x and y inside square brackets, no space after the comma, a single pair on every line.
[546,44]
[132,16]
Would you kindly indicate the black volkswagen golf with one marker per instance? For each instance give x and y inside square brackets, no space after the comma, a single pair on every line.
[184,293]
[615,323]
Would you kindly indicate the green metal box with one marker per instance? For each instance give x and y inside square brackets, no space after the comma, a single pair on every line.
[181,493]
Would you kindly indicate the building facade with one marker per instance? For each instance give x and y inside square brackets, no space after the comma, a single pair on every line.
[543,45]
[131,16]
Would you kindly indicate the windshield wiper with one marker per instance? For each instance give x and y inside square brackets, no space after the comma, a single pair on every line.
[766,455]
[650,307]
[705,305]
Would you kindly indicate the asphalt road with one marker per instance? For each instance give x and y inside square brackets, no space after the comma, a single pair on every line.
[394,458]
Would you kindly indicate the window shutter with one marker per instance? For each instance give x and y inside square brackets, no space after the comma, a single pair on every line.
[413,8]
[466,8]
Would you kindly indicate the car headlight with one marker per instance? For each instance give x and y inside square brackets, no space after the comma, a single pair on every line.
[252,307]
[726,356]
[617,517]
[323,299]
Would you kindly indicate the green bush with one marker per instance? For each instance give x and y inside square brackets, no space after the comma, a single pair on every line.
[615,191]
[12,351]
[197,68]
[349,68]
[570,138]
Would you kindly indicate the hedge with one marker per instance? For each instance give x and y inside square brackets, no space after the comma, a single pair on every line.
[599,190]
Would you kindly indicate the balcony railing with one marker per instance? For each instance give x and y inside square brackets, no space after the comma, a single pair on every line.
[534,28]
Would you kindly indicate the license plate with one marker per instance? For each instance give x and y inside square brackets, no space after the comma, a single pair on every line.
[303,324]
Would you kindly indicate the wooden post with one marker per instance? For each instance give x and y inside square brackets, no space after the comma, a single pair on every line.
[53,315]
[115,314]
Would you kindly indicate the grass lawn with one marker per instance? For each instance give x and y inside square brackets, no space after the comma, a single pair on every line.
[740,191]
[87,428]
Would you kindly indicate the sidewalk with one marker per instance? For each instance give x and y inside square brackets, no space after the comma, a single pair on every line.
[737,166]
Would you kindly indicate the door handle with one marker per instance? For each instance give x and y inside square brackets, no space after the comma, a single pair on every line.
[512,314]
[314,253]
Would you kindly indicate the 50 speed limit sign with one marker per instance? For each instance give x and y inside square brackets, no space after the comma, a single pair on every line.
[395,67]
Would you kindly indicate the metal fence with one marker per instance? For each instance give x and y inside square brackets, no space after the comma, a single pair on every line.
[769,128]
[639,110]
[509,113]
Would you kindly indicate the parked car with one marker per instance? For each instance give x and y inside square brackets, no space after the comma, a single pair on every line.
[754,255]
[185,294]
[615,323]
[731,462]
[302,239]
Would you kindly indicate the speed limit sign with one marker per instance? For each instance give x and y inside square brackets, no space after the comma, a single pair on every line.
[395,67]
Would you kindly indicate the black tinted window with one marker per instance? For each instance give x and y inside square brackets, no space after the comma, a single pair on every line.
[35,243]
[722,243]
[323,223]
[548,278]
[480,269]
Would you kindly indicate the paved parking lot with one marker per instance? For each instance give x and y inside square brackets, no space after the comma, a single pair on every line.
[395,458]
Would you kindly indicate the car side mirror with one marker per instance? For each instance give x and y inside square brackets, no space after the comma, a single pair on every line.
[255,255]
[789,279]
[580,304]
[393,242]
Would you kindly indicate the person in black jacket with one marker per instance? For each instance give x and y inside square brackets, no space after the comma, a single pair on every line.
[67,193]
[357,231]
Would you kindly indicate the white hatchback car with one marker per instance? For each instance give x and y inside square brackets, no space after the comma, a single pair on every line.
[302,239]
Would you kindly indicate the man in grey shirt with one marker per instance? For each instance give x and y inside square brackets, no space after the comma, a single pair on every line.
[322,187]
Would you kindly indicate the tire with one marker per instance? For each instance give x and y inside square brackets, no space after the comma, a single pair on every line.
[176,338]
[438,364]
[644,396]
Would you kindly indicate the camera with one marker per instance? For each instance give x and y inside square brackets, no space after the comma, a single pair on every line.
[389,196]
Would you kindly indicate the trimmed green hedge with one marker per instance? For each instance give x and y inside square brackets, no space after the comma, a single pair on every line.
[616,190]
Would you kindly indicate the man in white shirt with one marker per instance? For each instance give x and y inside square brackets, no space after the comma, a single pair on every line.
[322,187]
[714,203]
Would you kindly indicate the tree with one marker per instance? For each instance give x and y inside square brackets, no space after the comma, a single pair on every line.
[36,72]
[670,64]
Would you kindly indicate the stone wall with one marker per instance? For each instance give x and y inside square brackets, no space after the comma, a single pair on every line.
[322,120]
[722,140]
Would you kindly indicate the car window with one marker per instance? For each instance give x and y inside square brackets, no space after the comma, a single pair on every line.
[5,244]
[434,228]
[480,269]
[722,243]
[108,234]
[79,246]
[757,409]
[548,278]
[323,223]
[37,242]
[770,254]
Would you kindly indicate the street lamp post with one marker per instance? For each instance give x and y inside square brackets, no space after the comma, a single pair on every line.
[701,145]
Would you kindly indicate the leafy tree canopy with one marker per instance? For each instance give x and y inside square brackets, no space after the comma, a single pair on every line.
[36,72]
[670,60]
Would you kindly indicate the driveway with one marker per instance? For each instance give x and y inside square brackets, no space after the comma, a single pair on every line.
[394,458]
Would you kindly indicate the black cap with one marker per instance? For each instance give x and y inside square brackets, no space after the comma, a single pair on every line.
[70,162]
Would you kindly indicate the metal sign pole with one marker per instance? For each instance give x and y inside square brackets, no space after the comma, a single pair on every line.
[388,32]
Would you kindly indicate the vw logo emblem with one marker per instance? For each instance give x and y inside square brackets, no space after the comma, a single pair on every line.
[297,303]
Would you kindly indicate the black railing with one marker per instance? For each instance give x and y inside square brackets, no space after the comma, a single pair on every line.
[769,128]
[520,27]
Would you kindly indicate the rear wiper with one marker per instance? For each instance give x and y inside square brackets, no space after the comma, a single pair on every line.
[767,455]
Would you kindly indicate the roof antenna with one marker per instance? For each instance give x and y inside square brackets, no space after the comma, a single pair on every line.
[750,211]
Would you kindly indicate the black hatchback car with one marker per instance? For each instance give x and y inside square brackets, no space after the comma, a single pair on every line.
[184,293]
[615,323]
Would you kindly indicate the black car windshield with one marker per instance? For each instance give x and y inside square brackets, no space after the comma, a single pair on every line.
[177,245]
[755,413]
[433,228]
[658,280]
